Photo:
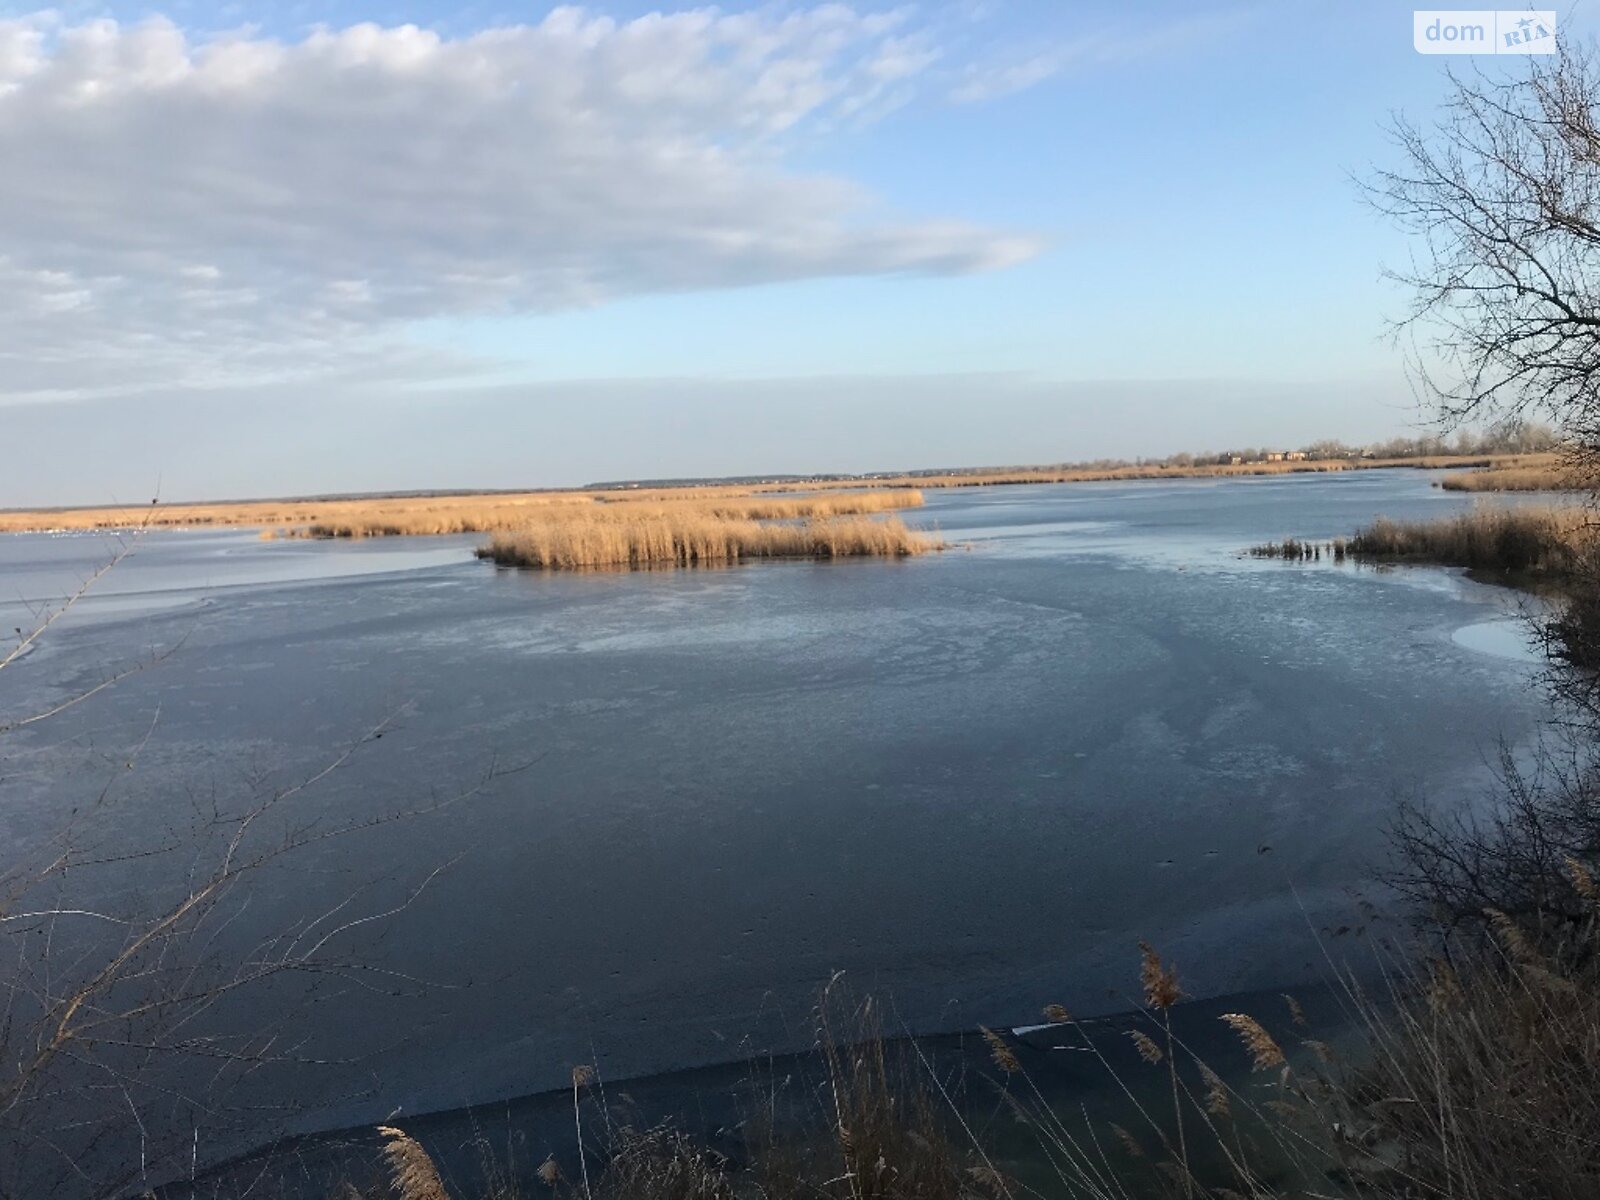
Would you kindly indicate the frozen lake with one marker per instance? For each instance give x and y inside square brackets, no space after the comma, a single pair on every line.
[972,781]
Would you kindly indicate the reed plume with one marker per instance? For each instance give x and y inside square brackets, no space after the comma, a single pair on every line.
[412,1174]
[1160,983]
[1583,881]
[1148,1049]
[1004,1057]
[1296,1013]
[1217,1102]
[1129,1142]
[1264,1052]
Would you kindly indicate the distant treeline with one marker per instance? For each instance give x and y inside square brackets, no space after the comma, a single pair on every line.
[1512,438]
[1518,438]
[1507,439]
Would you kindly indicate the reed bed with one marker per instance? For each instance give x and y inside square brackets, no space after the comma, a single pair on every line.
[865,495]
[1553,476]
[762,509]
[1544,540]
[606,509]
[1555,541]
[436,515]
[488,512]
[334,518]
[689,538]
[1292,549]
[740,506]
[1485,1080]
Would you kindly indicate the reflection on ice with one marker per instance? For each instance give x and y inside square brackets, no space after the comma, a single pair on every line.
[1509,638]
[169,568]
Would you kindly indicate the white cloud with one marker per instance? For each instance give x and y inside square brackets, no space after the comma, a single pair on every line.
[1005,79]
[1005,74]
[236,208]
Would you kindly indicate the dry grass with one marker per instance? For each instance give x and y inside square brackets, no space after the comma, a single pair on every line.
[777,509]
[600,508]
[431,515]
[1547,541]
[411,1172]
[663,1164]
[695,537]
[1477,1081]
[489,512]
[1485,1081]
[1552,541]
[1536,473]
[874,1127]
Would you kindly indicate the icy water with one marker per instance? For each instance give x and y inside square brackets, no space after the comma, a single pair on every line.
[972,781]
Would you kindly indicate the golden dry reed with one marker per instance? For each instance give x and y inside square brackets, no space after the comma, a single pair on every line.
[1003,1055]
[691,538]
[1552,540]
[411,1172]
[1476,1082]
[378,516]
[1147,1047]
[1530,473]
[1158,981]
[1217,1101]
[426,515]
[1265,1053]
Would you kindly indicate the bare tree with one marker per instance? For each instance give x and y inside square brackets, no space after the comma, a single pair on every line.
[1502,195]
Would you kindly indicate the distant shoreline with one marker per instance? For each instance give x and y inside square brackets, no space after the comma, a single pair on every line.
[303,513]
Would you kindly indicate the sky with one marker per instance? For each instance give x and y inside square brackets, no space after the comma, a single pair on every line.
[275,249]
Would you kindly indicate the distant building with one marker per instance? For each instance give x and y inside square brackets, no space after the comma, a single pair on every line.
[1235,460]
[1274,456]
[1295,455]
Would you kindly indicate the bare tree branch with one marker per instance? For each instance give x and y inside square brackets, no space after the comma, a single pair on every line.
[1502,194]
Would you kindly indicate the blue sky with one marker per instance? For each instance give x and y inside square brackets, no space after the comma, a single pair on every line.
[783,238]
